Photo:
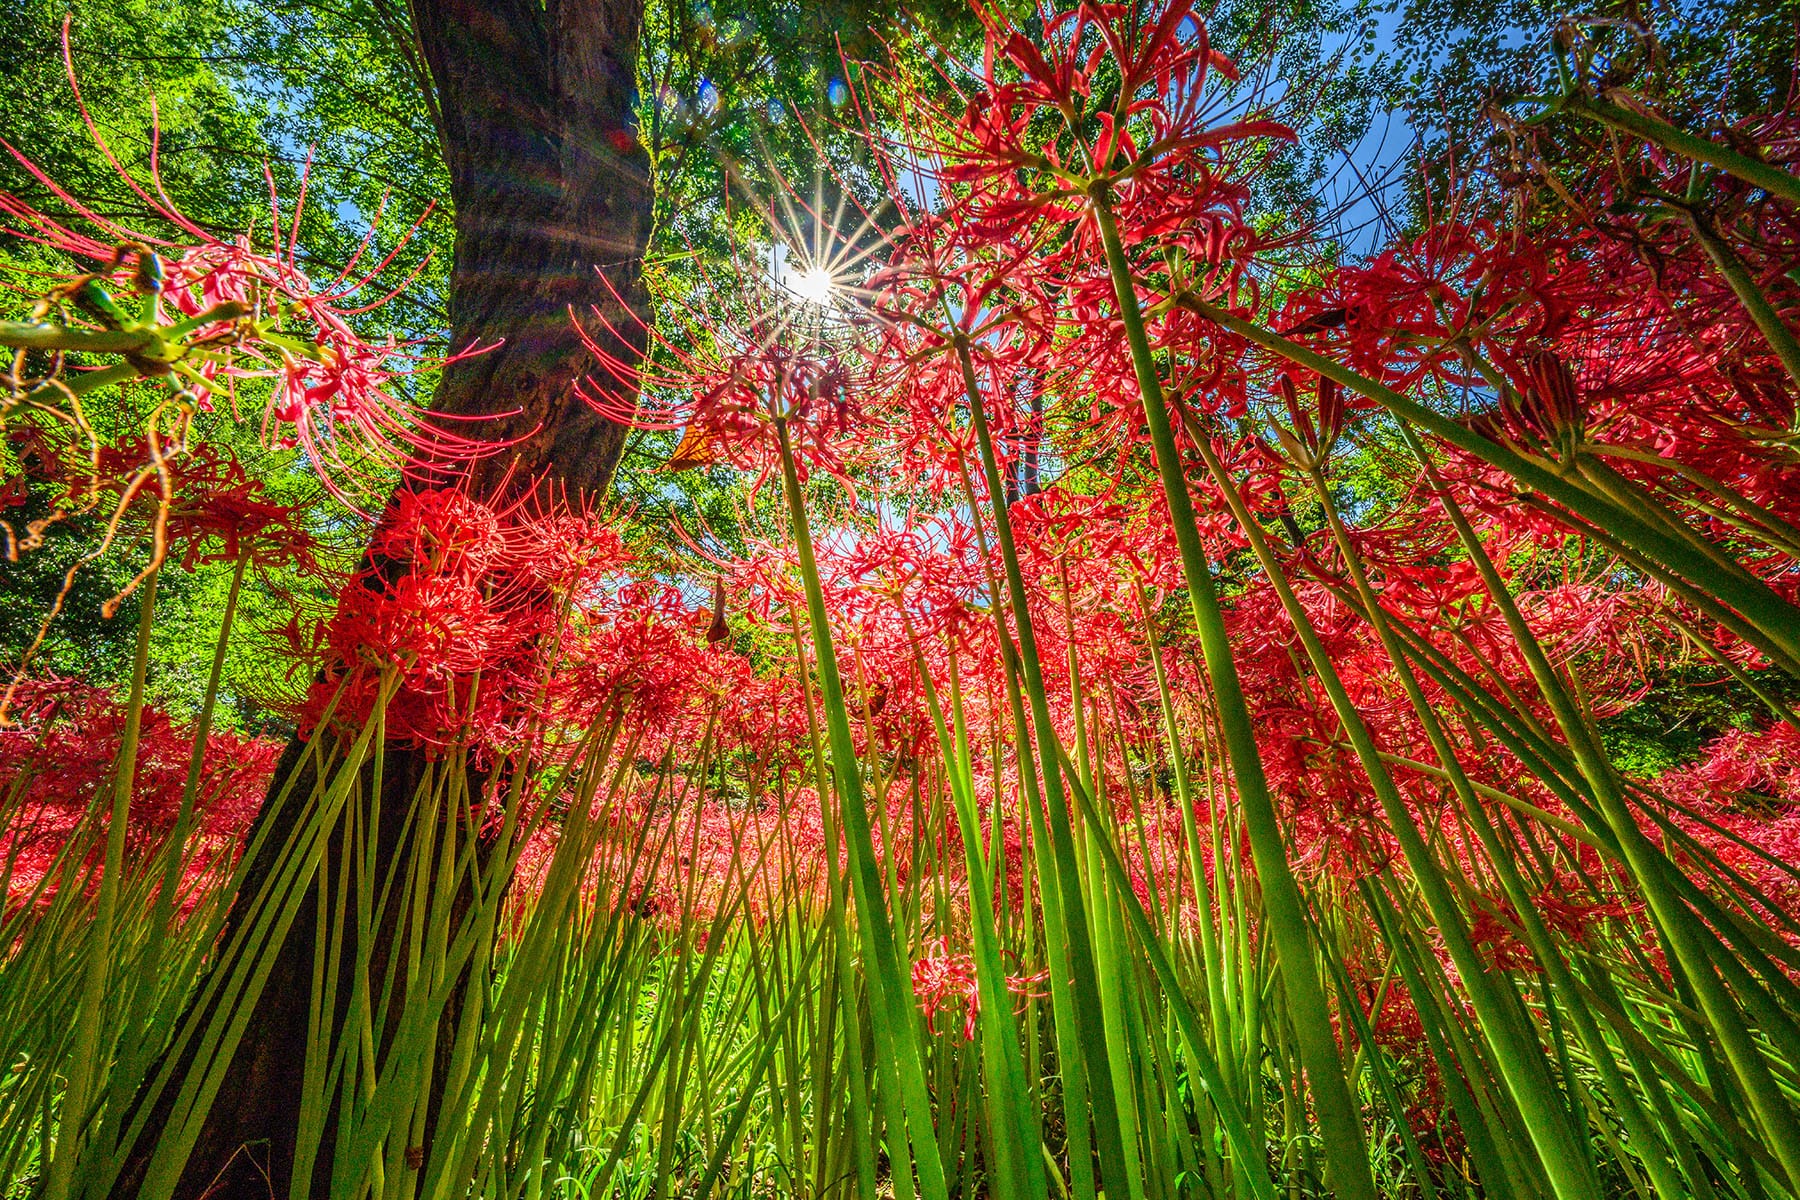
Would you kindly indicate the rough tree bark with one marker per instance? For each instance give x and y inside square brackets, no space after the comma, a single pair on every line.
[551,192]
[552,214]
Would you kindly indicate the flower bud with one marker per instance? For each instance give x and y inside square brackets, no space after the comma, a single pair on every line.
[149,275]
[1553,402]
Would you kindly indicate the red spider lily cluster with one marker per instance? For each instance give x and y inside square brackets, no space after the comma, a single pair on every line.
[455,616]
[61,752]
[1593,341]
[732,388]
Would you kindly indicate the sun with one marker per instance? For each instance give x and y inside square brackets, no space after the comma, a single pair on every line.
[814,285]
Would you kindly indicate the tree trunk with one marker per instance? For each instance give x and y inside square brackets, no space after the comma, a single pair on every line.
[552,206]
[552,215]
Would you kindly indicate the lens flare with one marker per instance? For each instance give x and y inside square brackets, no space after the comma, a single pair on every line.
[813,285]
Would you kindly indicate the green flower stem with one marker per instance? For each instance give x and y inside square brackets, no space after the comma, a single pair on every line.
[1070,1065]
[1190,830]
[895,1017]
[1755,520]
[860,1113]
[1774,330]
[165,899]
[1340,1119]
[1244,1143]
[1773,180]
[89,1056]
[1757,602]
[93,381]
[1019,1170]
[1639,1125]
[1499,1174]
[1090,1026]
[223,1010]
[43,335]
[1605,481]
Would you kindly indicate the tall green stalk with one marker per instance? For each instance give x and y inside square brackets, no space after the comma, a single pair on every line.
[1340,1119]
[190,788]
[1019,1170]
[1698,949]
[895,1017]
[1071,1065]
[88,1060]
[1673,138]
[1768,320]
[1638,1123]
[1090,1025]
[860,1112]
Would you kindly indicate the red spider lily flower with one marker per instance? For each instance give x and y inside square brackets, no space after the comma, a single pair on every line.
[1154,142]
[332,397]
[1020,169]
[1741,802]
[931,571]
[919,384]
[432,624]
[737,380]
[443,530]
[1762,762]
[941,979]
[572,553]
[217,311]
[233,522]
[203,505]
